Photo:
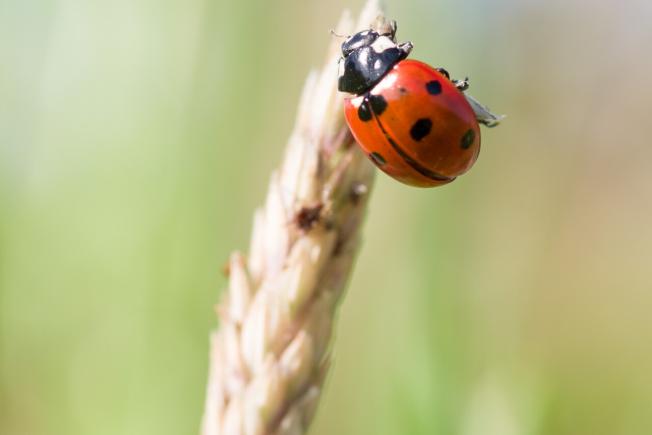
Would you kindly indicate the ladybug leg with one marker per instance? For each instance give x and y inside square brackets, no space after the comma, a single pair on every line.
[462,85]
[405,49]
[444,72]
[482,112]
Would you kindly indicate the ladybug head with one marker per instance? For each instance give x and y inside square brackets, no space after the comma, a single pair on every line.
[367,56]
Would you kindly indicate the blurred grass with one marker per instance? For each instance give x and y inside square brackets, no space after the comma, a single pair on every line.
[137,137]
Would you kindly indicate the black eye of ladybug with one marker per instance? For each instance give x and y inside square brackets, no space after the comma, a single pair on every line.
[359,40]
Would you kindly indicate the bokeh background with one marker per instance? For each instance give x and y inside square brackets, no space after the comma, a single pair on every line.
[137,137]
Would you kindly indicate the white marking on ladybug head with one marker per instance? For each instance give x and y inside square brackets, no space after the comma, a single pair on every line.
[362,57]
[382,43]
[340,67]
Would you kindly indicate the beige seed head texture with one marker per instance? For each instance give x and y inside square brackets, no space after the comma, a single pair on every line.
[270,353]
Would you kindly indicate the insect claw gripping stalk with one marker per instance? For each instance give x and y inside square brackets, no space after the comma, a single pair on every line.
[270,354]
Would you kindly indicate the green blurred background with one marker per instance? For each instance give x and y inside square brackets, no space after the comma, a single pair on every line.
[137,137]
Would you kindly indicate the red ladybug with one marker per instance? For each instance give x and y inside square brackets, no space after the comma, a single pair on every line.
[411,120]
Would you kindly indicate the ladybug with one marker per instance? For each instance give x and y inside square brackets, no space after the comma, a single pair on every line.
[411,119]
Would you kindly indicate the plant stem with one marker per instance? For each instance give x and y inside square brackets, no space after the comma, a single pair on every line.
[270,354]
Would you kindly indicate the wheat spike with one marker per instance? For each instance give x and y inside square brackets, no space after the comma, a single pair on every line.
[270,353]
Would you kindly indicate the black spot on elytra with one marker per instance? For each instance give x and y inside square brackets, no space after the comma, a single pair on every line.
[467,139]
[433,87]
[377,159]
[421,128]
[364,112]
[402,90]
[378,103]
[410,161]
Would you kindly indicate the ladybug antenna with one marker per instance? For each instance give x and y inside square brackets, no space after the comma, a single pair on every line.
[337,35]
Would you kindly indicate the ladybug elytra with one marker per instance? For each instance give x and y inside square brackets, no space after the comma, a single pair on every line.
[411,120]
